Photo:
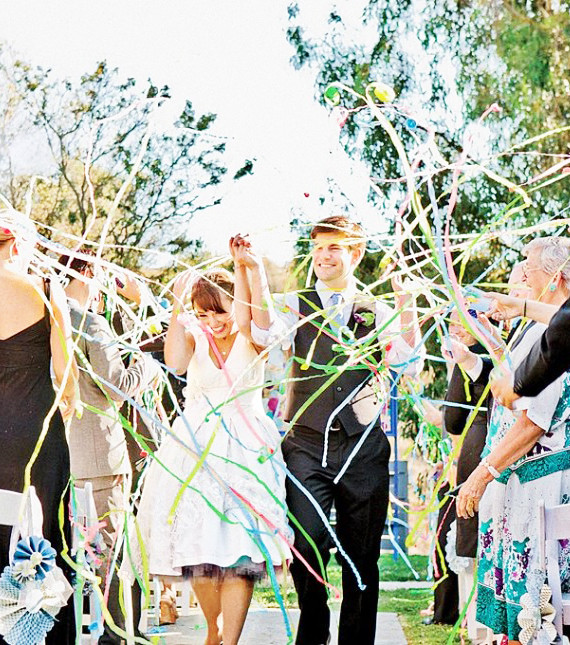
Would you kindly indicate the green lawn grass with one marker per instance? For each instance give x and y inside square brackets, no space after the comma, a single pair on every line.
[407,603]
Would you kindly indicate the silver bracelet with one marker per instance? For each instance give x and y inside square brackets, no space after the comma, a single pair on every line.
[494,472]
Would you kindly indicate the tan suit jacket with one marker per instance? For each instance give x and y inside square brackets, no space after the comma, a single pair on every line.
[97,441]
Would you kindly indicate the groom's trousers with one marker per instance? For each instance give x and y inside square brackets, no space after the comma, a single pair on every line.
[361,500]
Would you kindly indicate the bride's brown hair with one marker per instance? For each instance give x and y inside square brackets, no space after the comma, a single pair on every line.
[208,289]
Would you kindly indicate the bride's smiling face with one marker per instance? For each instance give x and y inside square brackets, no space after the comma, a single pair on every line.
[219,323]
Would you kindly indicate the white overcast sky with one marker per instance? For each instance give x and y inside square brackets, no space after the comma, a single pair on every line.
[230,58]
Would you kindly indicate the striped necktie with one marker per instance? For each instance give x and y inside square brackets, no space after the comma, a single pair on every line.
[337,320]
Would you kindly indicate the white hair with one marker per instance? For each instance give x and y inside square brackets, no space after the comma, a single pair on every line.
[554,255]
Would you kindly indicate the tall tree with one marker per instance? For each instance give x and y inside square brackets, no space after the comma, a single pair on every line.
[89,138]
[447,63]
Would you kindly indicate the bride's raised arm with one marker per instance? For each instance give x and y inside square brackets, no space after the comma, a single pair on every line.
[252,297]
[179,342]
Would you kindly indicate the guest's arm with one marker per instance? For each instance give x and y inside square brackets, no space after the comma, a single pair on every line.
[548,358]
[486,369]
[455,416]
[179,343]
[517,442]
[478,368]
[506,307]
[61,346]
[104,353]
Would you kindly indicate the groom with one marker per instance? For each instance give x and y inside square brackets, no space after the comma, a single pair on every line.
[336,450]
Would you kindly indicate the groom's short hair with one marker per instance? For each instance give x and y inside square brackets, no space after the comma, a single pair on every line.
[350,229]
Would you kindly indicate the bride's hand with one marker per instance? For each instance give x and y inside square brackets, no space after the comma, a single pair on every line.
[182,285]
[243,253]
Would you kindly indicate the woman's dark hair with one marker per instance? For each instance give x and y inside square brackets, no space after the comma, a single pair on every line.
[208,289]
[74,263]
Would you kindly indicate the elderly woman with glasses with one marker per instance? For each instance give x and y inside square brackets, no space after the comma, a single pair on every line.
[526,458]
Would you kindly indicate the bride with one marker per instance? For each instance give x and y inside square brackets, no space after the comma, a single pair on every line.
[212,507]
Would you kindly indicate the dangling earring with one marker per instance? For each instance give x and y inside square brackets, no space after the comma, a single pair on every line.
[552,287]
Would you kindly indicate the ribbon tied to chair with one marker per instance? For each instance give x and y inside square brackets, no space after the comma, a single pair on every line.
[536,621]
[32,591]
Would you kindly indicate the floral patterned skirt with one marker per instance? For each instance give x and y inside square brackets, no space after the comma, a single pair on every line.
[509,555]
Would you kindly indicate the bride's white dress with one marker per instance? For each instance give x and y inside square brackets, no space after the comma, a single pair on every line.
[228,509]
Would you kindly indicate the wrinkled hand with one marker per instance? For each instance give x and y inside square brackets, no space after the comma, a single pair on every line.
[471,492]
[502,388]
[493,334]
[504,307]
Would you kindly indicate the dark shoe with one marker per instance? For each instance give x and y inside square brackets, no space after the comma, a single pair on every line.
[109,637]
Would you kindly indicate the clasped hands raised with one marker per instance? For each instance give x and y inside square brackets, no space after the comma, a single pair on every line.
[242,252]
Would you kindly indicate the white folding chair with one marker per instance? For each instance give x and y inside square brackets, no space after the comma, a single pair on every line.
[87,514]
[150,616]
[22,511]
[554,525]
[185,598]
[85,517]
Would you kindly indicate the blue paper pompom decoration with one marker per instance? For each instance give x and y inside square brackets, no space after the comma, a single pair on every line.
[34,554]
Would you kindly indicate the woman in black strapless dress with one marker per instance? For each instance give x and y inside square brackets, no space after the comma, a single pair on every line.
[26,396]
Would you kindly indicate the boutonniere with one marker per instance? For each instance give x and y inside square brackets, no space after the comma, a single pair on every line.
[365,318]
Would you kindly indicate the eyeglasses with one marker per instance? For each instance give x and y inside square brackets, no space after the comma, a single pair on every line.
[526,269]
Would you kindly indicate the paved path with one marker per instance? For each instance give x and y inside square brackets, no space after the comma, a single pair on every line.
[266,627]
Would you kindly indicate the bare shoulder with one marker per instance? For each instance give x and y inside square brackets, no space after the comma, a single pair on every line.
[21,288]
[22,302]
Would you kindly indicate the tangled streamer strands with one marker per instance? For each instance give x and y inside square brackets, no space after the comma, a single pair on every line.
[422,253]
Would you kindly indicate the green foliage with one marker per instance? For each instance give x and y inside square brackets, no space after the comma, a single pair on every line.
[511,52]
[92,134]
[390,571]
[408,603]
[246,169]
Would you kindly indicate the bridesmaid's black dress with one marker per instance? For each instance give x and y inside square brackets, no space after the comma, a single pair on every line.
[26,396]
